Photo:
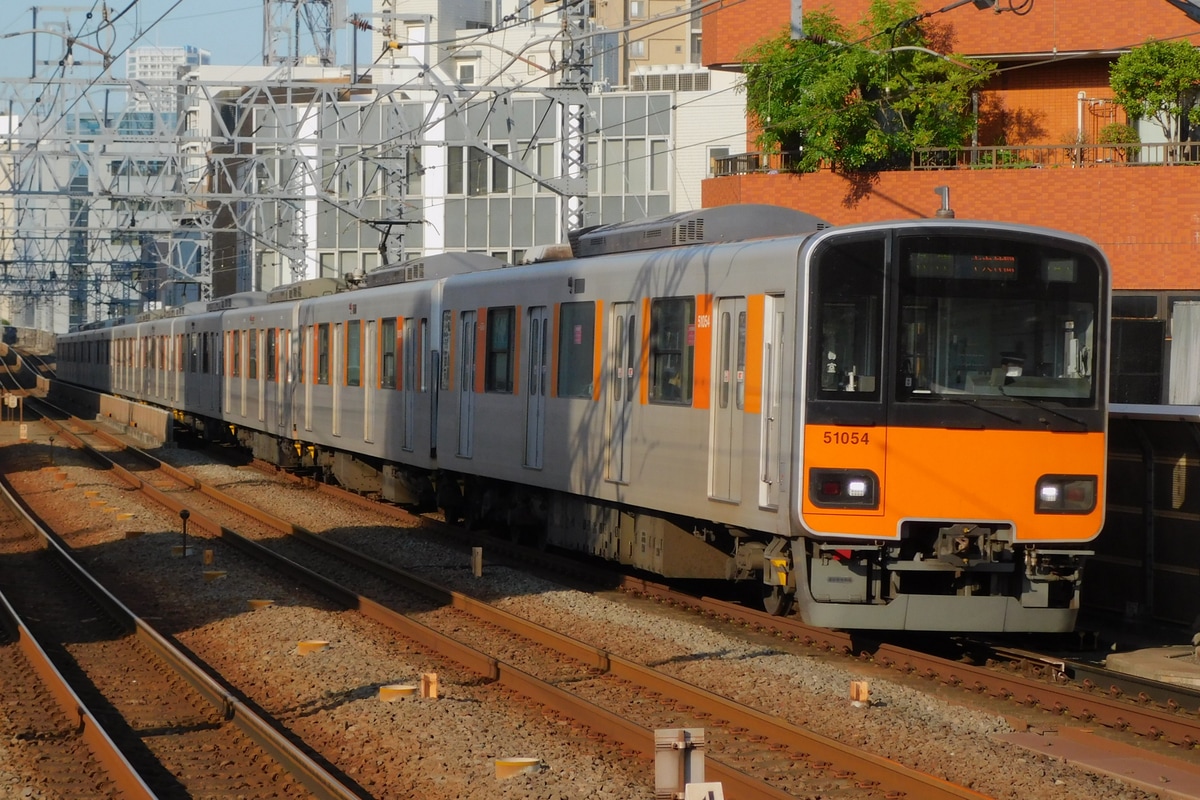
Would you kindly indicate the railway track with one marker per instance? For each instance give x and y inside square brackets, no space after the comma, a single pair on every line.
[1062,688]
[752,753]
[159,725]
[1148,721]
[1096,698]
[54,741]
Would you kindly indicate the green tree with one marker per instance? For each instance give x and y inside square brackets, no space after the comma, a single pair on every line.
[859,105]
[1159,81]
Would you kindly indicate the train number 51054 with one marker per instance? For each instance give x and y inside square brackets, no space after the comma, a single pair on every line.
[846,437]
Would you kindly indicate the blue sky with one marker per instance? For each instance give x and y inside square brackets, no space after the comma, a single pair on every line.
[229,29]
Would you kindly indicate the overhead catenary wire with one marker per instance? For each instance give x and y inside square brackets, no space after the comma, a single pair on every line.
[1027,5]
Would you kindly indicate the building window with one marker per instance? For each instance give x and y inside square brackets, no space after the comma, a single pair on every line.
[477,171]
[500,346]
[466,74]
[672,349]
[659,174]
[637,9]
[576,349]
[500,170]
[454,170]
[637,49]
[328,265]
[715,154]
[415,171]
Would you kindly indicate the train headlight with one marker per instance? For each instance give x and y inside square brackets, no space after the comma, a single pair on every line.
[1065,494]
[843,488]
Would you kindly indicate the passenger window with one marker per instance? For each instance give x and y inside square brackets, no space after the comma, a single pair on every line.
[272,363]
[500,344]
[387,353]
[447,332]
[252,367]
[353,352]
[576,349]
[303,349]
[672,349]
[323,353]
[235,360]
[845,335]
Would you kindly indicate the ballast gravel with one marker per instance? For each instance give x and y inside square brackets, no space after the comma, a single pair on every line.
[448,748]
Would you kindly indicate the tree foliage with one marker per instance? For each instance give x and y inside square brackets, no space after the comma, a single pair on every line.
[859,102]
[1159,81]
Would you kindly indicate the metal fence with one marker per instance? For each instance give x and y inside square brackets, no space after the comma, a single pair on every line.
[1040,156]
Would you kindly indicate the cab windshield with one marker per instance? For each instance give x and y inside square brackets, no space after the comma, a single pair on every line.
[985,318]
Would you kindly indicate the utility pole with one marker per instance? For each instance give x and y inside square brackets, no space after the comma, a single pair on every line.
[575,81]
[287,23]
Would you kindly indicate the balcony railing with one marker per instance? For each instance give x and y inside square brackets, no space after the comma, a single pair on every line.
[1049,156]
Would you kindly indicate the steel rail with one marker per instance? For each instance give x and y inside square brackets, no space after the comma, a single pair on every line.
[1091,703]
[627,733]
[104,749]
[316,778]
[866,768]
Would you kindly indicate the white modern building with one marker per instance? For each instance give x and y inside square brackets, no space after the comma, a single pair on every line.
[159,70]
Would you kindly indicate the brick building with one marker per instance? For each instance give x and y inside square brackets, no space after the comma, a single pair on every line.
[1042,113]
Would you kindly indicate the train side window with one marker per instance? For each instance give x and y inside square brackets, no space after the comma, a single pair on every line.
[252,357]
[353,352]
[576,349]
[272,362]
[235,355]
[845,334]
[447,333]
[422,353]
[323,353]
[387,353]
[672,349]
[498,376]
[301,350]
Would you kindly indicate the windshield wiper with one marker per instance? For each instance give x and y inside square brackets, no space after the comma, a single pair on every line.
[975,404]
[1044,407]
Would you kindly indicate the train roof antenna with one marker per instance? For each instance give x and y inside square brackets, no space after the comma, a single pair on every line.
[945,212]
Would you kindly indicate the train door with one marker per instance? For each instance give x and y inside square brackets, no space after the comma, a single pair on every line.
[535,399]
[229,371]
[181,363]
[411,354]
[263,372]
[622,389]
[772,402]
[466,384]
[369,382]
[242,364]
[308,372]
[336,377]
[728,401]
[283,393]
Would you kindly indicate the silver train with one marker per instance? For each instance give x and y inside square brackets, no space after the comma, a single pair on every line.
[891,425]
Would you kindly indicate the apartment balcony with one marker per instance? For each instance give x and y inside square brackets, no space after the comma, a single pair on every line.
[993,157]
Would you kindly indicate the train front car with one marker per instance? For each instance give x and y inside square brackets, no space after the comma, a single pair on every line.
[951,434]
